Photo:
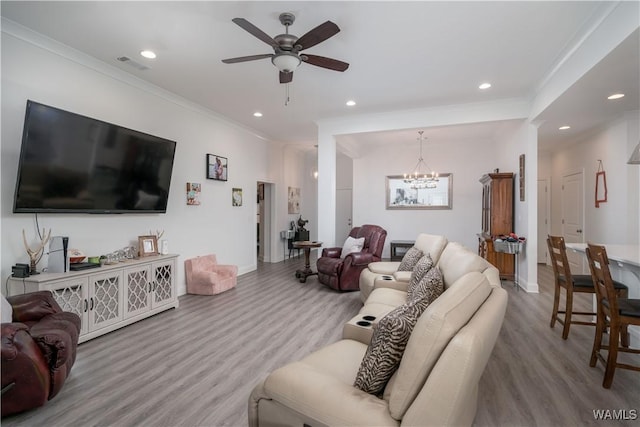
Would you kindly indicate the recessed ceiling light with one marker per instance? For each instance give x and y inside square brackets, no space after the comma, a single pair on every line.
[149,54]
[351,103]
[257,114]
[616,96]
[564,127]
[484,86]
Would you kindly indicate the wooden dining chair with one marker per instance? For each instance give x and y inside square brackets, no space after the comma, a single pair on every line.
[613,311]
[581,283]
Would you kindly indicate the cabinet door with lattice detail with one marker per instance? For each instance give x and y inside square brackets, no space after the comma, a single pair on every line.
[105,299]
[162,284]
[137,290]
[72,295]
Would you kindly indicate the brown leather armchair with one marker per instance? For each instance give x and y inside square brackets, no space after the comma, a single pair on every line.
[343,274]
[38,350]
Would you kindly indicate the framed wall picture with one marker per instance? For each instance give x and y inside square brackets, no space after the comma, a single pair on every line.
[193,193]
[293,201]
[438,195]
[521,177]
[217,167]
[147,246]
[236,197]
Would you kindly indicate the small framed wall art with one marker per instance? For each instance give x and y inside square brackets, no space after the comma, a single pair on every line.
[293,200]
[217,167]
[193,193]
[521,176]
[236,197]
[147,246]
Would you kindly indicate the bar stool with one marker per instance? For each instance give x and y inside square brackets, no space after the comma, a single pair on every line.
[621,312]
[571,283]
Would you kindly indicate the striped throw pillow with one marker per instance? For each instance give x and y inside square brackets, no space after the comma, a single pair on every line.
[410,259]
[387,346]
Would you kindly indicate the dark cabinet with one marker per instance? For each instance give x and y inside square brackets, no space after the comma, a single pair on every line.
[497,220]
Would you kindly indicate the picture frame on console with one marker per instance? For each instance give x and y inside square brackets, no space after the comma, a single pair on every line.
[147,246]
[401,195]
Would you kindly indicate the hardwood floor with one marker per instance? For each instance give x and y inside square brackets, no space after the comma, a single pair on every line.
[195,366]
[535,378]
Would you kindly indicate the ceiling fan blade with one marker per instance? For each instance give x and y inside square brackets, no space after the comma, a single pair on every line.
[255,31]
[324,62]
[318,35]
[246,58]
[286,77]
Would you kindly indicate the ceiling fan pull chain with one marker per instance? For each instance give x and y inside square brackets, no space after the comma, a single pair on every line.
[286,101]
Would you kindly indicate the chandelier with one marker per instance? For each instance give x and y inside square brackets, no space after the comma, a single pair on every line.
[418,179]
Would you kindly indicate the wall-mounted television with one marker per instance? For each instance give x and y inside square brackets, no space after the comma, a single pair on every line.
[70,163]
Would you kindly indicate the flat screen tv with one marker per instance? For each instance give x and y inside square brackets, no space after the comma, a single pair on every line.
[75,164]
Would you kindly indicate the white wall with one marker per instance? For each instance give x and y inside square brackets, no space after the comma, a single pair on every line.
[467,160]
[515,140]
[68,80]
[615,221]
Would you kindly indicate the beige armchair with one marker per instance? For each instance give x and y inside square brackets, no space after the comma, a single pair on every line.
[206,277]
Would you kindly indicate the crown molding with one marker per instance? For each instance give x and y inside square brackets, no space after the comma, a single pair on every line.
[48,44]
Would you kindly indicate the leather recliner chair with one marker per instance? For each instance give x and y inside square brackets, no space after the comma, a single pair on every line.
[38,350]
[342,274]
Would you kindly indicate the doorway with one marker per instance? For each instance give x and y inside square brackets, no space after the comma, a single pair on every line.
[543,219]
[264,203]
[344,212]
[572,197]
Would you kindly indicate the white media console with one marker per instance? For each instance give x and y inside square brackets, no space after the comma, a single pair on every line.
[112,296]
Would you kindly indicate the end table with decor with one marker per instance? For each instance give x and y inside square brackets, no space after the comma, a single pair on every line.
[306,246]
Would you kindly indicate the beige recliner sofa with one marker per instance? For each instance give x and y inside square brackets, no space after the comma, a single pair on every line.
[428,243]
[437,380]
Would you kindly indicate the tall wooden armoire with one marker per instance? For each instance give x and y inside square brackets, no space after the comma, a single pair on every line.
[497,220]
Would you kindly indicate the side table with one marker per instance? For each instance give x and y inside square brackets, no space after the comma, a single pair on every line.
[306,246]
[511,248]
[403,245]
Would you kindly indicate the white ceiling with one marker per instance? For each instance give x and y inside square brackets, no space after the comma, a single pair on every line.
[402,55]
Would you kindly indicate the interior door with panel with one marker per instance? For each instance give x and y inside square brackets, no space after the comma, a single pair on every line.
[344,212]
[543,220]
[573,217]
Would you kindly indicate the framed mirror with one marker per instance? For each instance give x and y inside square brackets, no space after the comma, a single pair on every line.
[404,195]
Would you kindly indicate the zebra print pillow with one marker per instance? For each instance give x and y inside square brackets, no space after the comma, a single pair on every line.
[428,288]
[422,267]
[410,259]
[387,345]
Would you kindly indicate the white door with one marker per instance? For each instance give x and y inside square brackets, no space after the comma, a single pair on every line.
[343,215]
[263,219]
[573,217]
[543,220]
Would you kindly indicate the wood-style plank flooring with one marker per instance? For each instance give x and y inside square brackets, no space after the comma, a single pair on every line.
[195,366]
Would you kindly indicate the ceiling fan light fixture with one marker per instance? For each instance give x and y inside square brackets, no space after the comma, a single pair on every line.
[286,62]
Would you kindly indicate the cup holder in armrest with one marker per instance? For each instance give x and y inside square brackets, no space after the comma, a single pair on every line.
[369,318]
[385,277]
[363,323]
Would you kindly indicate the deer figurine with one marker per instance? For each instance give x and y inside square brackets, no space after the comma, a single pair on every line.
[35,254]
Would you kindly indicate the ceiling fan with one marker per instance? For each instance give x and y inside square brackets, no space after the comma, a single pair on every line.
[287,47]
